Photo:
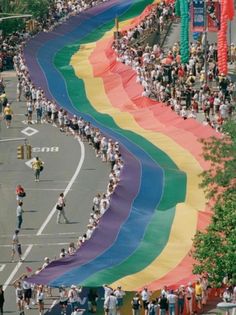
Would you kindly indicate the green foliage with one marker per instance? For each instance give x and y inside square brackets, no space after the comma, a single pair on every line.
[221,153]
[38,8]
[215,248]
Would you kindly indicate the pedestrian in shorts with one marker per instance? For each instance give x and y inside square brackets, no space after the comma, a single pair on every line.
[37,166]
[19,297]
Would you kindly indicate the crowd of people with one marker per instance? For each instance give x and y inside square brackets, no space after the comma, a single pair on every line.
[182,87]
[186,299]
[186,88]
[58,12]
[45,111]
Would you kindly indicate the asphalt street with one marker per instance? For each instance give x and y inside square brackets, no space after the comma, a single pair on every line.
[70,167]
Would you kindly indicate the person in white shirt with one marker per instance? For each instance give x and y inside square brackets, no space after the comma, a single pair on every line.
[119,294]
[89,231]
[172,298]
[110,304]
[40,300]
[73,297]
[96,202]
[183,113]
[145,295]
[19,296]
[224,111]
[107,291]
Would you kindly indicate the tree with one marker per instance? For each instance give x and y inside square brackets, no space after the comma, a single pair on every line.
[215,249]
[38,8]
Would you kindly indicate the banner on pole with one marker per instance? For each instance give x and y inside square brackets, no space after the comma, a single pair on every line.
[213,16]
[197,16]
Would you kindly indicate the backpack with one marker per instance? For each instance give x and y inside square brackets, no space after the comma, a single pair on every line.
[135,304]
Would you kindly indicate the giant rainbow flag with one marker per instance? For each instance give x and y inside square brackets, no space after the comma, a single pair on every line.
[146,235]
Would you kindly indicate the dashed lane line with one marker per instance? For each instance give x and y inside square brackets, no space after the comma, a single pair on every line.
[50,215]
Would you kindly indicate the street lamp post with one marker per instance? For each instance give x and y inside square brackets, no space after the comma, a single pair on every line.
[19,16]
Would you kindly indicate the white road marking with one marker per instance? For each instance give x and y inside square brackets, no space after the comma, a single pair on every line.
[53,304]
[2,266]
[12,139]
[17,267]
[43,234]
[68,187]
[25,122]
[45,189]
[29,131]
[52,212]
[29,163]
[45,149]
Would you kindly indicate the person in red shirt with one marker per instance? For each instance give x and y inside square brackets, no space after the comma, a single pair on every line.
[20,193]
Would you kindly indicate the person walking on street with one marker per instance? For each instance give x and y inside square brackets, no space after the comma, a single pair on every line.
[27,290]
[2,300]
[61,209]
[8,112]
[37,166]
[16,246]
[20,193]
[19,214]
